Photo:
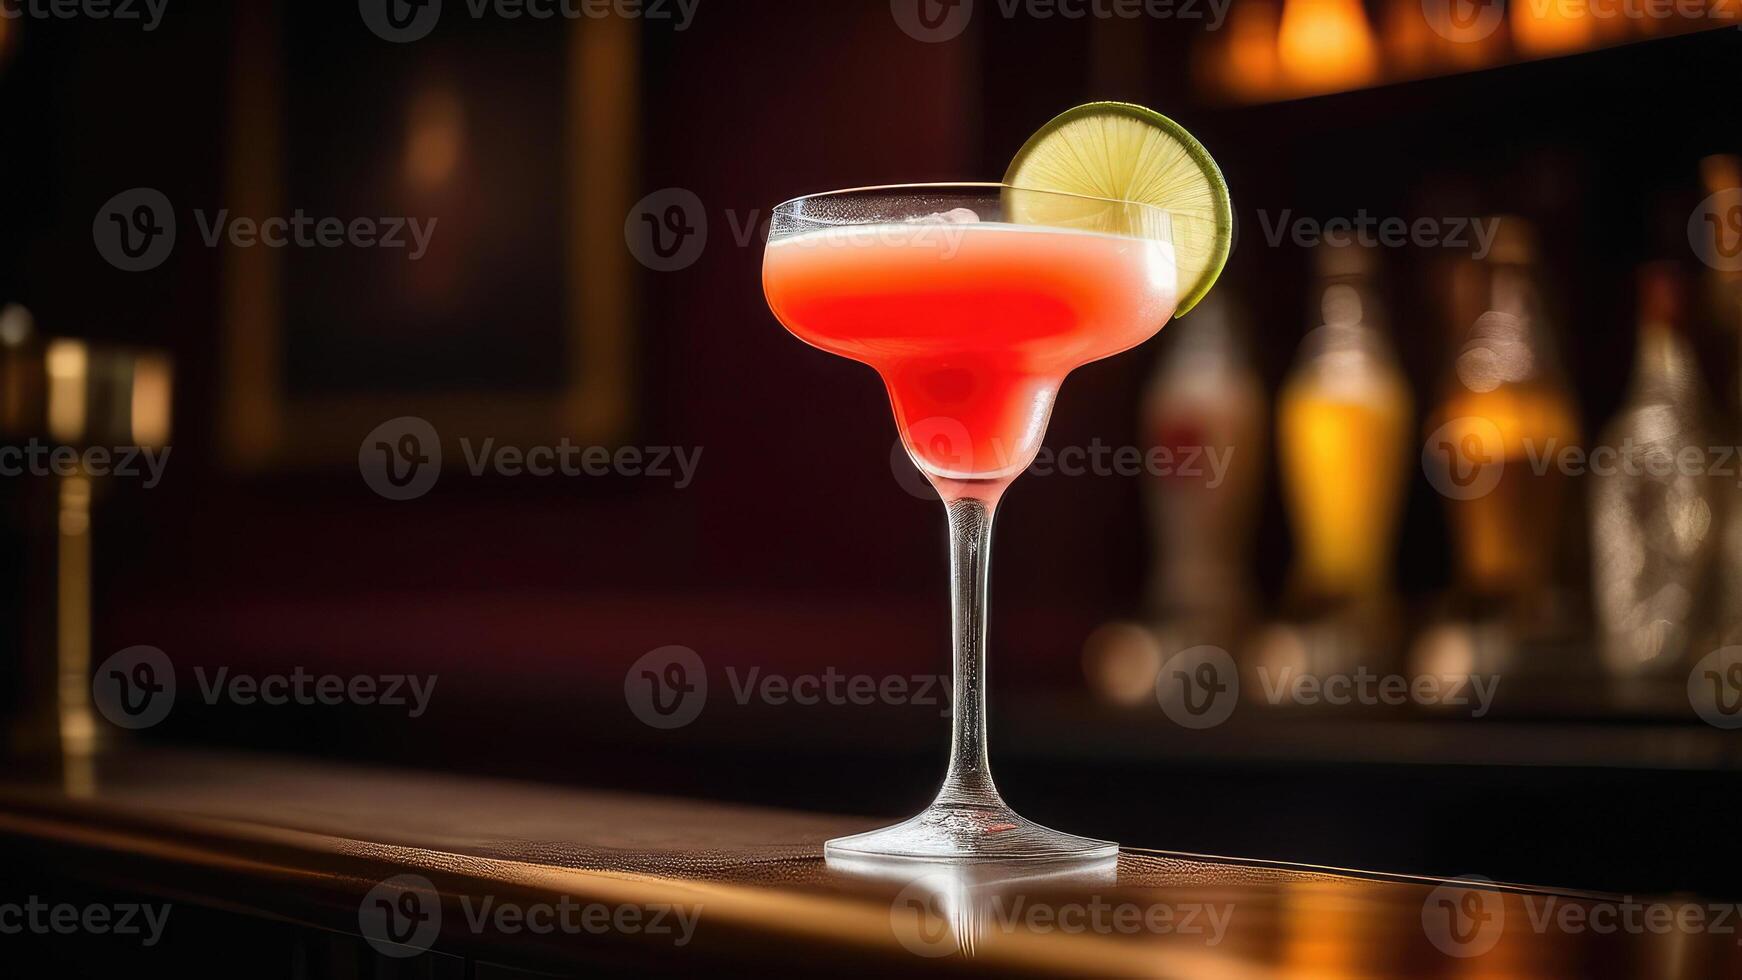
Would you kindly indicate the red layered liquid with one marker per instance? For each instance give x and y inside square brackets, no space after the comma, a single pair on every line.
[972,326]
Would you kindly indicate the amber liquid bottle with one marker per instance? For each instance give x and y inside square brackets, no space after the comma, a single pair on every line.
[1343,421]
[1506,409]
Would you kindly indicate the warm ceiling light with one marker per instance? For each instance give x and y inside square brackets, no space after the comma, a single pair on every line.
[434,139]
[151,400]
[1552,28]
[1409,40]
[16,325]
[1721,172]
[1249,69]
[1326,46]
[66,390]
[1422,36]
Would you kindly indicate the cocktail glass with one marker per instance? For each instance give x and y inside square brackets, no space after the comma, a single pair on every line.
[973,301]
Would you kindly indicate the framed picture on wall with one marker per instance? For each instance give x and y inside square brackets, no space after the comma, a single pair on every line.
[450,218]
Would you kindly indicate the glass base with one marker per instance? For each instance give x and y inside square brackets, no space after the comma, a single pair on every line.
[968,832]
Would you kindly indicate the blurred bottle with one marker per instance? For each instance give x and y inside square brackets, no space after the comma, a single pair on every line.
[1205,410]
[1506,412]
[22,381]
[27,508]
[1343,419]
[1722,294]
[1721,299]
[1652,532]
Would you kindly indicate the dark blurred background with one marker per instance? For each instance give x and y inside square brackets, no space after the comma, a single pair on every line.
[802,544]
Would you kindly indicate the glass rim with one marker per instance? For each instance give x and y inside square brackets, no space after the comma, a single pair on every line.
[963,185]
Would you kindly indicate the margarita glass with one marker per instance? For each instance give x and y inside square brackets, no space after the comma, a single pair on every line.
[972,301]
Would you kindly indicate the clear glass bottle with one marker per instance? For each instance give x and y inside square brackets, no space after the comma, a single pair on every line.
[1722,301]
[1652,498]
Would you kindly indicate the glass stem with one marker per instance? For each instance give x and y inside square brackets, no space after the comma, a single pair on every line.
[969,780]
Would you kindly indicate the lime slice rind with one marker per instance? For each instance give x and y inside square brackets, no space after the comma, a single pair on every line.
[1110,153]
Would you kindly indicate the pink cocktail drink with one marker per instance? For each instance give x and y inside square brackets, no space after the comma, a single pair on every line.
[973,326]
[972,301]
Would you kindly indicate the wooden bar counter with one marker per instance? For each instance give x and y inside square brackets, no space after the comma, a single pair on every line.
[268,866]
